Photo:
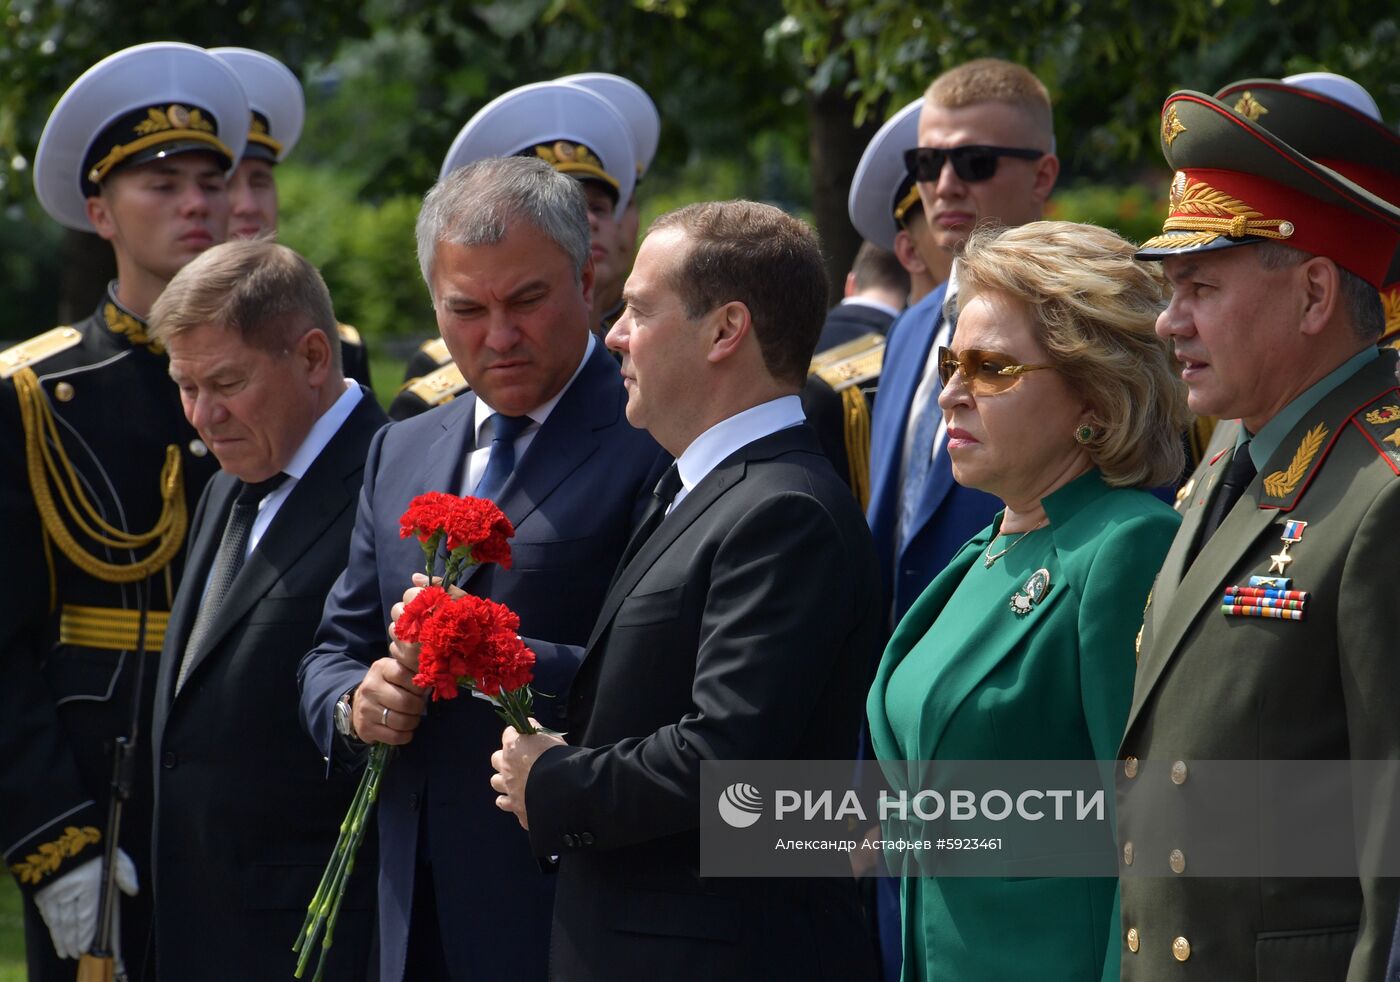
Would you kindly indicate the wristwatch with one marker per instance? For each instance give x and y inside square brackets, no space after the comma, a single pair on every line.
[344,722]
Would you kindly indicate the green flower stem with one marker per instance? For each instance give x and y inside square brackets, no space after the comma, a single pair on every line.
[323,888]
[514,707]
[325,906]
[357,831]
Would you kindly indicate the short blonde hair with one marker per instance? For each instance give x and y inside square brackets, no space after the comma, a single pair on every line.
[265,292]
[994,80]
[1095,308]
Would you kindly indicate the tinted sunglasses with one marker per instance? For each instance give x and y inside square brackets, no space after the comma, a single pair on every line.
[971,164]
[983,372]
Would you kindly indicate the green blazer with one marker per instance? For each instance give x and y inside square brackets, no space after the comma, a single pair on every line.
[1052,685]
[1215,687]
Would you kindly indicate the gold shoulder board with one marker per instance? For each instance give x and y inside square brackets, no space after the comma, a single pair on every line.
[348,334]
[850,363]
[36,349]
[436,349]
[440,386]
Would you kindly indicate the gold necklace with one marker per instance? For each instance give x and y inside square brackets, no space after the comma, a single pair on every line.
[989,558]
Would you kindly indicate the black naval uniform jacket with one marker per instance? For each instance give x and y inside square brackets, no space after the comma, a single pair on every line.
[67,636]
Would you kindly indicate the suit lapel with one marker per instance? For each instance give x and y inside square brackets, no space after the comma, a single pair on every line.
[313,505]
[936,486]
[223,488]
[726,475]
[567,439]
[1257,511]
[444,464]
[1202,485]
[684,515]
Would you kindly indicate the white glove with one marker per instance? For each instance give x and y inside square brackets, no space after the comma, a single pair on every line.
[69,903]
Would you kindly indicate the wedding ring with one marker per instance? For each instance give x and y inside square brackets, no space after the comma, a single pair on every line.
[384,716]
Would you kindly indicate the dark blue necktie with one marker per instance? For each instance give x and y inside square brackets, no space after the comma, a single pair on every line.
[504,431]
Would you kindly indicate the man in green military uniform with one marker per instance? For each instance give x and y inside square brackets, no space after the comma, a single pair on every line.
[1334,121]
[100,473]
[1269,631]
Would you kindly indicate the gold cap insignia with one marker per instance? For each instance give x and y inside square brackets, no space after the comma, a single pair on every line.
[1250,107]
[1171,126]
[179,116]
[1208,213]
[573,158]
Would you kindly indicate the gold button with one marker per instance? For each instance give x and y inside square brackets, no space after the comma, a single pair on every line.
[1134,942]
[1181,949]
[1179,772]
[1127,854]
[63,392]
[1177,861]
[198,448]
[1130,766]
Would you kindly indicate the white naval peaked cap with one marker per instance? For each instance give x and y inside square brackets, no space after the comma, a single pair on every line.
[144,102]
[1339,88]
[883,190]
[275,98]
[574,129]
[636,107]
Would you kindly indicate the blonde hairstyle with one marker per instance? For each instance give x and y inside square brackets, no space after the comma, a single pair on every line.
[1095,308]
[267,293]
[994,80]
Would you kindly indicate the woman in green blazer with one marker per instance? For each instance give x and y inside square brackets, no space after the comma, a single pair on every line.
[1058,398]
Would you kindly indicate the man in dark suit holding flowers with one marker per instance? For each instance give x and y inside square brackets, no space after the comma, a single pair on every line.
[504,247]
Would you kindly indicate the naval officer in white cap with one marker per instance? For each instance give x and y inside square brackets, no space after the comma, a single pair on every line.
[278,112]
[101,472]
[615,243]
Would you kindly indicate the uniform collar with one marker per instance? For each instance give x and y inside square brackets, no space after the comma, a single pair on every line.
[121,321]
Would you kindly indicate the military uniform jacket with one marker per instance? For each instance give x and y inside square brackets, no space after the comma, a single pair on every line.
[90,410]
[1216,687]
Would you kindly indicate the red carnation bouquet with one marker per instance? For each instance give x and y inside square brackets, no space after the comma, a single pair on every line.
[463,641]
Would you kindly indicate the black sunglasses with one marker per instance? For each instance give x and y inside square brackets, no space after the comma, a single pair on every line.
[973,164]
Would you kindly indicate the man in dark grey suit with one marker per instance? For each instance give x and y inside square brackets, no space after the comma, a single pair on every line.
[742,624]
[245,818]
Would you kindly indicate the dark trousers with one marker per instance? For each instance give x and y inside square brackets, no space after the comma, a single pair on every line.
[426,960]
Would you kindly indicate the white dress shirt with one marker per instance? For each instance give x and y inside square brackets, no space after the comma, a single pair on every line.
[708,449]
[322,430]
[476,460]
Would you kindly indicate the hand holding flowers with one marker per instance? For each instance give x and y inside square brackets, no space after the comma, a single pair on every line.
[461,640]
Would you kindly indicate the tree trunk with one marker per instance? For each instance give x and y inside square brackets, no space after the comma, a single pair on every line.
[836,145]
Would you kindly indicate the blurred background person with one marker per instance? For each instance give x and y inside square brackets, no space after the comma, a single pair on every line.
[877,288]
[278,112]
[884,206]
[1060,400]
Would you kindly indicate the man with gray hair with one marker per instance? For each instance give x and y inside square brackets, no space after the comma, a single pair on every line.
[504,247]
[255,353]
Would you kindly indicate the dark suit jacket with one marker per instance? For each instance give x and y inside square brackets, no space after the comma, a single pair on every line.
[745,628]
[848,321]
[572,498]
[245,818]
[948,514]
